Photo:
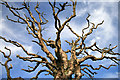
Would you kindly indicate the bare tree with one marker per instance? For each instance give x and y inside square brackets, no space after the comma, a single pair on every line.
[60,67]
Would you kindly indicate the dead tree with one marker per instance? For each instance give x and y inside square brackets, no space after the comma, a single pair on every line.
[60,67]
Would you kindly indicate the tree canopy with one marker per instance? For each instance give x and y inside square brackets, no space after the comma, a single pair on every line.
[59,65]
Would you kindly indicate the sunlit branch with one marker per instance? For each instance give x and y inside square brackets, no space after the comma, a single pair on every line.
[39,72]
[44,60]
[67,51]
[31,33]
[87,26]
[105,50]
[17,21]
[89,70]
[72,16]
[59,28]
[18,45]
[91,29]
[81,48]
[5,3]
[36,42]
[30,13]
[34,31]
[87,73]
[46,21]
[40,15]
[72,30]
[11,9]
[6,62]
[68,42]
[50,43]
[37,64]
[98,67]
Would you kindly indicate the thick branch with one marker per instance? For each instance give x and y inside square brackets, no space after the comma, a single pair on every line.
[50,43]
[95,58]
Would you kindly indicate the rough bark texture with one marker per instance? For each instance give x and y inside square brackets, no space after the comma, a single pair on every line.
[60,67]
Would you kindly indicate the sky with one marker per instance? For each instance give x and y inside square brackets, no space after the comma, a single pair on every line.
[106,34]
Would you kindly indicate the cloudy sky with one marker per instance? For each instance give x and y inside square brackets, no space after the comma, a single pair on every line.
[105,34]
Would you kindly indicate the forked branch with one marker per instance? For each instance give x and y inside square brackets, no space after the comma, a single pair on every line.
[6,62]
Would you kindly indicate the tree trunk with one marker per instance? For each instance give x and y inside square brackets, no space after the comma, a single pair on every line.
[63,74]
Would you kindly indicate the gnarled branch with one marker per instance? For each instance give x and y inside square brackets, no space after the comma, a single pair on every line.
[6,62]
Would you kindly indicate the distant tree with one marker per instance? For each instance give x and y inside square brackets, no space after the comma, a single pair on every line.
[60,67]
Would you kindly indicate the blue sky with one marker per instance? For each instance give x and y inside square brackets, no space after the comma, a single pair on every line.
[105,34]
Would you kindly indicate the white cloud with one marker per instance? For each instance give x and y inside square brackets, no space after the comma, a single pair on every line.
[81,12]
[118,73]
[1,24]
[104,12]
[0,55]
[107,28]
[98,38]
[67,34]
[92,41]
[10,34]
[111,75]
[105,33]
[15,50]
